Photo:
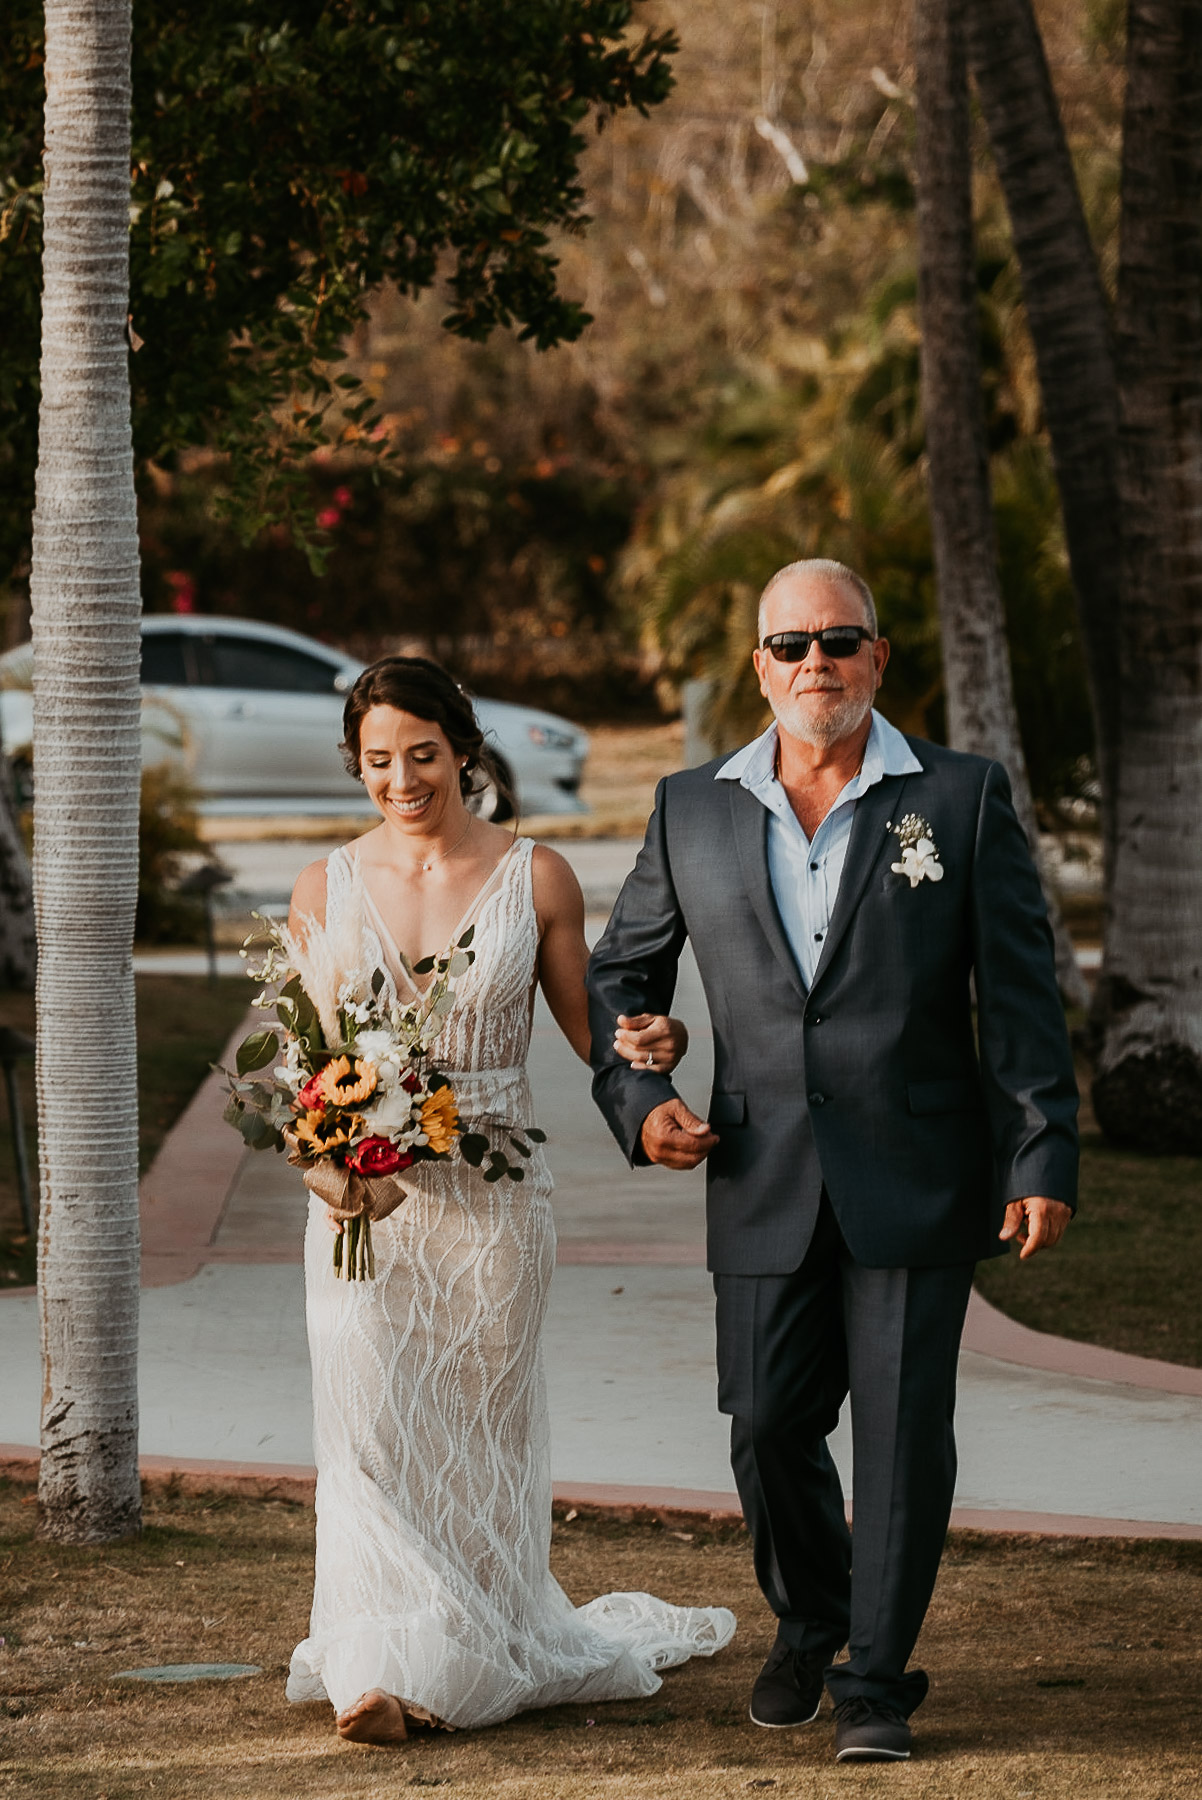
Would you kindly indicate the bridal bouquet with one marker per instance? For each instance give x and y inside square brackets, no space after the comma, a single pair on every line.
[352,1094]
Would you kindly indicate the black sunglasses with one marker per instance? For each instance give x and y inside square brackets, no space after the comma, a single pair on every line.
[833,640]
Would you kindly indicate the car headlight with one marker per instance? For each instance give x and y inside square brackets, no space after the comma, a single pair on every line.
[547,738]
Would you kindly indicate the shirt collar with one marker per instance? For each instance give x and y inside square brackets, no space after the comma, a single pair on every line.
[885,753]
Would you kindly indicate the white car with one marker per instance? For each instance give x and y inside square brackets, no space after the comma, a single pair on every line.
[252,714]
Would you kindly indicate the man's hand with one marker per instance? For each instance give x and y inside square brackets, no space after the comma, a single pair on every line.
[651,1041]
[1036,1222]
[676,1137]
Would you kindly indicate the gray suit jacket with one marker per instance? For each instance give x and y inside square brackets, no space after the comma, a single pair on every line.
[874,1081]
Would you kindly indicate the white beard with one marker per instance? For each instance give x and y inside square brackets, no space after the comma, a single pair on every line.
[824,724]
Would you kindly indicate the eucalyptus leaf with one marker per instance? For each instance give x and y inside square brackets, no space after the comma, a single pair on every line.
[536,1136]
[459,964]
[467,937]
[522,1149]
[425,966]
[473,1147]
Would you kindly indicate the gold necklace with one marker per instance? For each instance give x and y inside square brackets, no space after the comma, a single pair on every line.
[442,855]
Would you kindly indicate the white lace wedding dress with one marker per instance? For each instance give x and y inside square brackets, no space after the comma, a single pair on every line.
[430,1416]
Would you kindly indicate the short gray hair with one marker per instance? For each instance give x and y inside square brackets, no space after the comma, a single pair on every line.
[836,574]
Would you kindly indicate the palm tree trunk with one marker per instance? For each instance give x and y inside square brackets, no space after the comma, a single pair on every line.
[86,774]
[980,694]
[1070,327]
[1148,1086]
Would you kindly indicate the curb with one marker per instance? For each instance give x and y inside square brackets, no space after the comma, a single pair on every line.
[675,1507]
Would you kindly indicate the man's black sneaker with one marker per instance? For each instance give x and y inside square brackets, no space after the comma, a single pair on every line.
[870,1731]
[788,1689]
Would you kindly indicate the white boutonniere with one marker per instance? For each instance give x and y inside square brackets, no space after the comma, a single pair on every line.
[919,857]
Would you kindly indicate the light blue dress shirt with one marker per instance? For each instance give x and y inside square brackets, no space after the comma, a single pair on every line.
[805,874]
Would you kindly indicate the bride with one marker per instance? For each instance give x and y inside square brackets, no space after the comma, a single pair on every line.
[433,1601]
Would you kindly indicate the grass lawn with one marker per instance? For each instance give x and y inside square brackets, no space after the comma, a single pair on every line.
[1128,1272]
[183,1026]
[1060,1668]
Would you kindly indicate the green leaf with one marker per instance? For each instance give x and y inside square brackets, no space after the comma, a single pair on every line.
[536,1136]
[256,1051]
[466,939]
[424,967]
[473,1147]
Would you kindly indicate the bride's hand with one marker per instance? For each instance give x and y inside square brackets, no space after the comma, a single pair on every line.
[651,1041]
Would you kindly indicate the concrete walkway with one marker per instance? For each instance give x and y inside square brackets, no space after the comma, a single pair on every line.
[1053,1436]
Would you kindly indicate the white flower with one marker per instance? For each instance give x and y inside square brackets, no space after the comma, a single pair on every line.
[392,1114]
[380,1048]
[920,862]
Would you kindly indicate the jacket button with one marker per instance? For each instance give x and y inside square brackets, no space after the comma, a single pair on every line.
[816,1018]
[816,1099]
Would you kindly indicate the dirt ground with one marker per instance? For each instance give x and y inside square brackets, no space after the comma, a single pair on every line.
[1060,1668]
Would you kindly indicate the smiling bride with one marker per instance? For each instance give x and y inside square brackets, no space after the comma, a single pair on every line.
[434,1603]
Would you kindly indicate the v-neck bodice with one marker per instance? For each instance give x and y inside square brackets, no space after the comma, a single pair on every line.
[401,967]
[488,1026]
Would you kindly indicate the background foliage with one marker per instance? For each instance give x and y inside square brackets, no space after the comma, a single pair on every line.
[583,526]
[289,156]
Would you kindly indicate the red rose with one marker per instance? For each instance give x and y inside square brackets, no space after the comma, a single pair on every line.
[311,1096]
[411,1083]
[378,1156]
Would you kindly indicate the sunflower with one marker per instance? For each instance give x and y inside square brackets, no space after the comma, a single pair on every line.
[320,1133]
[440,1120]
[348,1080]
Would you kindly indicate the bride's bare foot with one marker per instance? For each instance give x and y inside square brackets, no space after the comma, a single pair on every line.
[375,1718]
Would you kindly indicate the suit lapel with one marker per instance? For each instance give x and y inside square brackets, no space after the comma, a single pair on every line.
[749,822]
[876,813]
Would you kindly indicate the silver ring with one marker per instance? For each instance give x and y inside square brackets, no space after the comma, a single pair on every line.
[650,1060]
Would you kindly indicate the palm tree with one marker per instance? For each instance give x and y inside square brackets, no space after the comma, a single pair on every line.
[1148,1081]
[981,714]
[84,587]
[1126,429]
[1070,329]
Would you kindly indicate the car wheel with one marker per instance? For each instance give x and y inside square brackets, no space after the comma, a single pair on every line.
[488,802]
[20,768]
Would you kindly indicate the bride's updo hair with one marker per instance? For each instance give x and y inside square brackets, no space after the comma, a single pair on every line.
[414,684]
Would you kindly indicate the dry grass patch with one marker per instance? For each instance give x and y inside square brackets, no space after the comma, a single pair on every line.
[1061,1668]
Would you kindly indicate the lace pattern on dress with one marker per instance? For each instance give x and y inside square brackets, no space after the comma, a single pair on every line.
[430,1417]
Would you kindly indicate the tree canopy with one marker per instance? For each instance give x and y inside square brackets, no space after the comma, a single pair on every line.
[288,156]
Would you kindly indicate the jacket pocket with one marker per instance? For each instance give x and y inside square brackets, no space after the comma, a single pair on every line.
[728,1109]
[958,1094]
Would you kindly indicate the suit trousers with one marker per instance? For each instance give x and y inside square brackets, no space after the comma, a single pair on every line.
[791,1348]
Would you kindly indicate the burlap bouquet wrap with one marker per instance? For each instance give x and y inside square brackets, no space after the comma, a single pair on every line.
[348,1195]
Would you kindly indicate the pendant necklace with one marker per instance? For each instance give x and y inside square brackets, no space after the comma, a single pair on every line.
[442,855]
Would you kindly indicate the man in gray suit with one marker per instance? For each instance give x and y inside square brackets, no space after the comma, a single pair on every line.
[845,889]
